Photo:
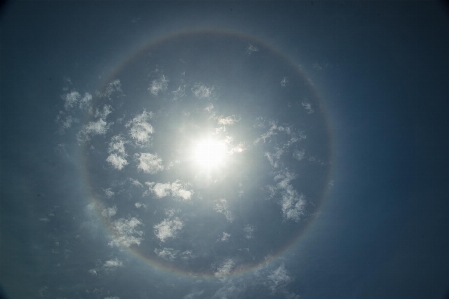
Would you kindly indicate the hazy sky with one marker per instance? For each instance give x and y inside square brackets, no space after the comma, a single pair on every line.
[224,150]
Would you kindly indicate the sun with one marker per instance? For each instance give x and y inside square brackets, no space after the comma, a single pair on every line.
[210,153]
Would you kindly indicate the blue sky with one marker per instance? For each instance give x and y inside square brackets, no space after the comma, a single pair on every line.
[224,150]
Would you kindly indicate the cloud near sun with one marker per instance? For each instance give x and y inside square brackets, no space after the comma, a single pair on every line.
[186,166]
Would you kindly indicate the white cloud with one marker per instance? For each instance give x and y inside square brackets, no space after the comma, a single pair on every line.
[71,99]
[284,81]
[229,120]
[107,109]
[66,123]
[179,92]
[209,108]
[224,269]
[251,48]
[117,145]
[149,163]
[168,228]
[109,212]
[293,204]
[194,294]
[185,255]
[99,127]
[221,206]
[113,263]
[118,162]
[225,237]
[126,232]
[176,189]
[272,131]
[117,157]
[85,102]
[278,279]
[114,86]
[139,205]
[93,271]
[179,190]
[249,231]
[135,182]
[299,154]
[158,85]
[308,107]
[141,129]
[201,91]
[166,253]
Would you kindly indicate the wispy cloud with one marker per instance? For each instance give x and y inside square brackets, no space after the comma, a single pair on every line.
[176,189]
[166,253]
[278,279]
[141,129]
[158,85]
[126,232]
[224,269]
[299,154]
[103,113]
[109,212]
[108,192]
[202,91]
[308,107]
[293,204]
[249,231]
[284,81]
[179,92]
[113,263]
[225,237]
[99,127]
[140,205]
[168,228]
[71,99]
[149,163]
[251,48]
[135,182]
[117,154]
[112,87]
[228,120]
[221,206]
[194,294]
[65,123]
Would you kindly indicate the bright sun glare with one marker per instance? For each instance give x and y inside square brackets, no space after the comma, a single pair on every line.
[210,153]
